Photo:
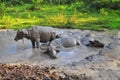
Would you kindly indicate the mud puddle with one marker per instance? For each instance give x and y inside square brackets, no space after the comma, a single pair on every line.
[98,63]
[21,51]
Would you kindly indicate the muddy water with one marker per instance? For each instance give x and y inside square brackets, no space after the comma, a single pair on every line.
[21,51]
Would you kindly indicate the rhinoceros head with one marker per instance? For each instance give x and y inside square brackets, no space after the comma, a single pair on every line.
[20,34]
[53,52]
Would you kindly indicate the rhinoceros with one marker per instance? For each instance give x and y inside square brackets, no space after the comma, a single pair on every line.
[36,34]
[89,41]
[57,44]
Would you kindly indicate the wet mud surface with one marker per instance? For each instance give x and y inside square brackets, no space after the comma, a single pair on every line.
[80,61]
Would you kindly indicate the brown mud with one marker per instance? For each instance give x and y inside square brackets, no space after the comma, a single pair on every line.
[25,72]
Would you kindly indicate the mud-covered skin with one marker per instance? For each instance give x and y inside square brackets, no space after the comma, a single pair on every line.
[36,34]
[64,42]
[89,41]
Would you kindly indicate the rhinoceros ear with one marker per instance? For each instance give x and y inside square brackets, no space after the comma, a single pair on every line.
[59,36]
[25,32]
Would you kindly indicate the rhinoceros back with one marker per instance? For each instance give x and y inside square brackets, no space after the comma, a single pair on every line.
[44,33]
[68,41]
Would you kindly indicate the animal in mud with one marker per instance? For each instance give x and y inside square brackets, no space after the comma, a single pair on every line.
[57,44]
[36,34]
[89,41]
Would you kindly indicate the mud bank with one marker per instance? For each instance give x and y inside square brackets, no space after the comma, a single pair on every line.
[25,72]
[83,62]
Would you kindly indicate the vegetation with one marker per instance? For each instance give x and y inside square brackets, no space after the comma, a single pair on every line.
[82,14]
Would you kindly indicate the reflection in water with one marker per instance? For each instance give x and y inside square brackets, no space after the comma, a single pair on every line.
[65,54]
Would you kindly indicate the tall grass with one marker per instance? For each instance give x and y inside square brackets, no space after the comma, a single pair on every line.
[62,16]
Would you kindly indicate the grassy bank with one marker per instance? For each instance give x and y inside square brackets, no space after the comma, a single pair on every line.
[61,16]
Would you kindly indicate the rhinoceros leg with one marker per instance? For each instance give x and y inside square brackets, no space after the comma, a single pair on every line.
[33,44]
[37,43]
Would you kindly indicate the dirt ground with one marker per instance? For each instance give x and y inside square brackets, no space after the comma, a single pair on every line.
[26,72]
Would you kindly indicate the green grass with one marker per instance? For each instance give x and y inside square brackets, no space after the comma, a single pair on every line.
[61,16]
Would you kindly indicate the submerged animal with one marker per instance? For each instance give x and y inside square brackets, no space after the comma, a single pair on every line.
[36,34]
[89,41]
[57,44]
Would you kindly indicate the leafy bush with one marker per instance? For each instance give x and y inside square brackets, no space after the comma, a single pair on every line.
[98,4]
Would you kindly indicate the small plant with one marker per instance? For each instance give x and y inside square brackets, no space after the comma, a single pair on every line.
[114,25]
[103,12]
[36,5]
